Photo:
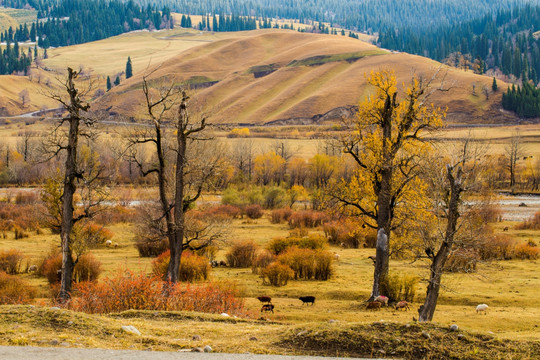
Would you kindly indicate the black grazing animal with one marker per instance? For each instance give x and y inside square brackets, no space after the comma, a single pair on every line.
[268,307]
[307,299]
[265,299]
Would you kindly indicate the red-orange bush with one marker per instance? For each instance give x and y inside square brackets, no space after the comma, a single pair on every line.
[307,219]
[14,290]
[140,292]
[11,260]
[116,214]
[280,215]
[224,211]
[346,233]
[88,268]
[532,224]
[253,211]
[22,217]
[498,247]
[192,267]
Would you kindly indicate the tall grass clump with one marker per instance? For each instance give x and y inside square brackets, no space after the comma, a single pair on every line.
[242,254]
[276,274]
[399,287]
[11,261]
[192,267]
[308,264]
[129,290]
[151,247]
[280,245]
[14,290]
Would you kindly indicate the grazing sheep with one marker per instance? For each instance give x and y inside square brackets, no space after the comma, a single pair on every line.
[336,257]
[373,258]
[505,228]
[382,299]
[214,263]
[375,305]
[32,268]
[264,299]
[307,299]
[402,305]
[268,307]
[108,243]
[222,263]
[482,307]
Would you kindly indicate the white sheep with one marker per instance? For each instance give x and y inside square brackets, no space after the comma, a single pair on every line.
[336,257]
[32,268]
[108,243]
[482,307]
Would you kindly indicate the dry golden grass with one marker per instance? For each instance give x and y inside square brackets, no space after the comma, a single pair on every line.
[509,287]
[15,17]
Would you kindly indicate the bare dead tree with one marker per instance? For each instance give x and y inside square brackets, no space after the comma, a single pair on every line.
[170,111]
[447,185]
[66,141]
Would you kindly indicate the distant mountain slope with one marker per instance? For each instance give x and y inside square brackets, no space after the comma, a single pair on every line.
[270,76]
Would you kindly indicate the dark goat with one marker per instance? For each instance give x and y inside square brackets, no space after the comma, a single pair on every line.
[268,307]
[265,299]
[307,299]
[375,305]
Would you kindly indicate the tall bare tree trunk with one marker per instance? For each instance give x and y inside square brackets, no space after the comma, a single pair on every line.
[181,139]
[70,177]
[381,262]
[427,310]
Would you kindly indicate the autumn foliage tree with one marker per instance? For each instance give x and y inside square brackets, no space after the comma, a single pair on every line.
[385,141]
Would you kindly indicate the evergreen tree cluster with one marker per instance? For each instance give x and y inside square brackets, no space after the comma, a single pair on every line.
[361,15]
[223,23]
[185,22]
[503,41]
[524,101]
[13,60]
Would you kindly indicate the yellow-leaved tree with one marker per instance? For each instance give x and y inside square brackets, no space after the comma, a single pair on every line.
[385,140]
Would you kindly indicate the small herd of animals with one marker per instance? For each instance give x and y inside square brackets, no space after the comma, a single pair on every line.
[379,302]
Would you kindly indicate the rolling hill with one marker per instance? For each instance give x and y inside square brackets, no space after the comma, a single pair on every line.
[284,77]
[254,77]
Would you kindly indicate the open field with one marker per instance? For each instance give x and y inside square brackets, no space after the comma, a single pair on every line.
[509,287]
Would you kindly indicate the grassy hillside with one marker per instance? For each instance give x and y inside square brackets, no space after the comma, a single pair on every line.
[256,77]
[15,17]
[280,77]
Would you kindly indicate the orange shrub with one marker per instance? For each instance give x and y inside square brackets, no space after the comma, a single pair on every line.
[307,219]
[532,224]
[280,215]
[192,267]
[87,268]
[224,211]
[11,260]
[242,254]
[346,233]
[14,290]
[22,217]
[140,292]
[93,234]
[253,211]
[498,247]
[526,251]
[276,274]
